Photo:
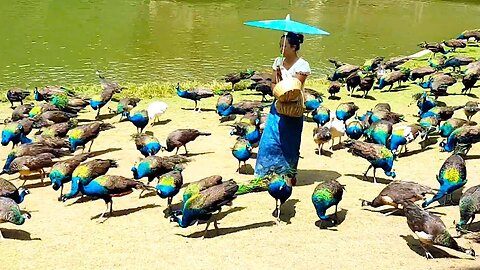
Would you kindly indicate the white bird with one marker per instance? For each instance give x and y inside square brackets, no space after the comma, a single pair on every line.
[337,129]
[155,110]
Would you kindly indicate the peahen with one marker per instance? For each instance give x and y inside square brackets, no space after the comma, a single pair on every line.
[470,109]
[420,73]
[452,176]
[181,137]
[27,165]
[398,191]
[378,155]
[195,94]
[454,44]
[326,195]
[430,229]
[17,95]
[321,135]
[235,78]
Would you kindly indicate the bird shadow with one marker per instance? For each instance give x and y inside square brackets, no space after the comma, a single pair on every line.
[370,178]
[224,119]
[414,152]
[246,169]
[105,151]
[106,116]
[225,231]
[399,212]
[309,177]
[472,95]
[471,157]
[45,183]
[174,207]
[196,154]
[201,110]
[287,211]
[341,215]
[17,235]
[82,120]
[83,199]
[414,245]
[162,122]
[324,153]
[124,212]
[366,97]
[334,98]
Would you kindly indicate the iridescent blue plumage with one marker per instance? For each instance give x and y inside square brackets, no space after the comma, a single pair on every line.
[321,116]
[139,119]
[354,130]
[425,103]
[242,151]
[169,185]
[150,149]
[325,195]
[313,104]
[345,111]
[452,176]
[280,188]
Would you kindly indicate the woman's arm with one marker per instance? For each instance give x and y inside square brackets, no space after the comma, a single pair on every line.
[301,77]
[274,79]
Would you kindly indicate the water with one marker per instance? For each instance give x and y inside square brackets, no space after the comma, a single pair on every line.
[47,42]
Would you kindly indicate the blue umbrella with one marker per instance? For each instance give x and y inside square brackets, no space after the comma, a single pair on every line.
[288,25]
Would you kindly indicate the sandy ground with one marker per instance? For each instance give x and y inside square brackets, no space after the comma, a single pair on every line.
[66,236]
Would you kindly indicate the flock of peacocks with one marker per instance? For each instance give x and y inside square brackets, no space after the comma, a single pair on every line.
[385,133]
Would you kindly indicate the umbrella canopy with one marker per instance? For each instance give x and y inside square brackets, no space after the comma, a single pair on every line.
[288,25]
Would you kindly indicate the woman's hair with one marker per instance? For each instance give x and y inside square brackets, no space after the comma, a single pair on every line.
[294,39]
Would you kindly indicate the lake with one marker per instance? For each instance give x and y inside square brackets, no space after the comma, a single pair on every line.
[63,42]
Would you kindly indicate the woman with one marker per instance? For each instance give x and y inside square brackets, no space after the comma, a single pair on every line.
[280,144]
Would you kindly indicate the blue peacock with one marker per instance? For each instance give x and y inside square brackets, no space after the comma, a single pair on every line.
[326,195]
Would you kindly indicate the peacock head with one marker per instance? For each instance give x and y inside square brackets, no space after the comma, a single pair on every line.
[73,146]
[135,172]
[391,174]
[7,136]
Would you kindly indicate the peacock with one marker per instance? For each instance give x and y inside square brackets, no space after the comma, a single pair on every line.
[430,229]
[366,84]
[52,117]
[354,130]
[62,171]
[469,82]
[9,190]
[14,131]
[54,142]
[195,94]
[27,165]
[344,71]
[125,105]
[353,81]
[250,132]
[138,119]
[321,115]
[326,195]
[371,65]
[280,188]
[424,102]
[469,205]
[442,113]
[224,102]
[398,191]
[434,47]
[383,106]
[457,61]
[313,99]
[47,93]
[468,34]
[181,137]
[242,151]
[321,135]
[86,172]
[242,108]
[462,137]
[394,62]
[17,95]
[403,135]
[169,185]
[109,88]
[155,110]
[10,212]
[379,132]
[81,135]
[438,84]
[452,176]
[345,111]
[147,144]
[450,125]
[378,155]
[200,185]
[202,205]
[337,130]
[153,166]
[108,186]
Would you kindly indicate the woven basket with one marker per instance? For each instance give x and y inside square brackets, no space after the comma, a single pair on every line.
[291,108]
[288,90]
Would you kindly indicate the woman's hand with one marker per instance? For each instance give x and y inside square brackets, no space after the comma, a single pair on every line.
[301,77]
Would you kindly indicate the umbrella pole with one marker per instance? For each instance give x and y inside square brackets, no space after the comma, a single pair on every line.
[283,58]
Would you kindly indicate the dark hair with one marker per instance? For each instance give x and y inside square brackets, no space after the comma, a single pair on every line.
[294,39]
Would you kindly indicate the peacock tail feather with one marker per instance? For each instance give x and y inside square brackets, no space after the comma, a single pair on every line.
[60,101]
[255,185]
[35,111]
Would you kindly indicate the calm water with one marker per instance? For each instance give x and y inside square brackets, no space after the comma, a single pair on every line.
[64,42]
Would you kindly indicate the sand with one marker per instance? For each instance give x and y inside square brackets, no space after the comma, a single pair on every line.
[138,236]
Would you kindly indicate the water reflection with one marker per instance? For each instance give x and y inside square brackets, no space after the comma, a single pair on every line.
[63,42]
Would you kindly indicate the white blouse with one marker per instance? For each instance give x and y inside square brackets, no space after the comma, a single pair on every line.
[301,66]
